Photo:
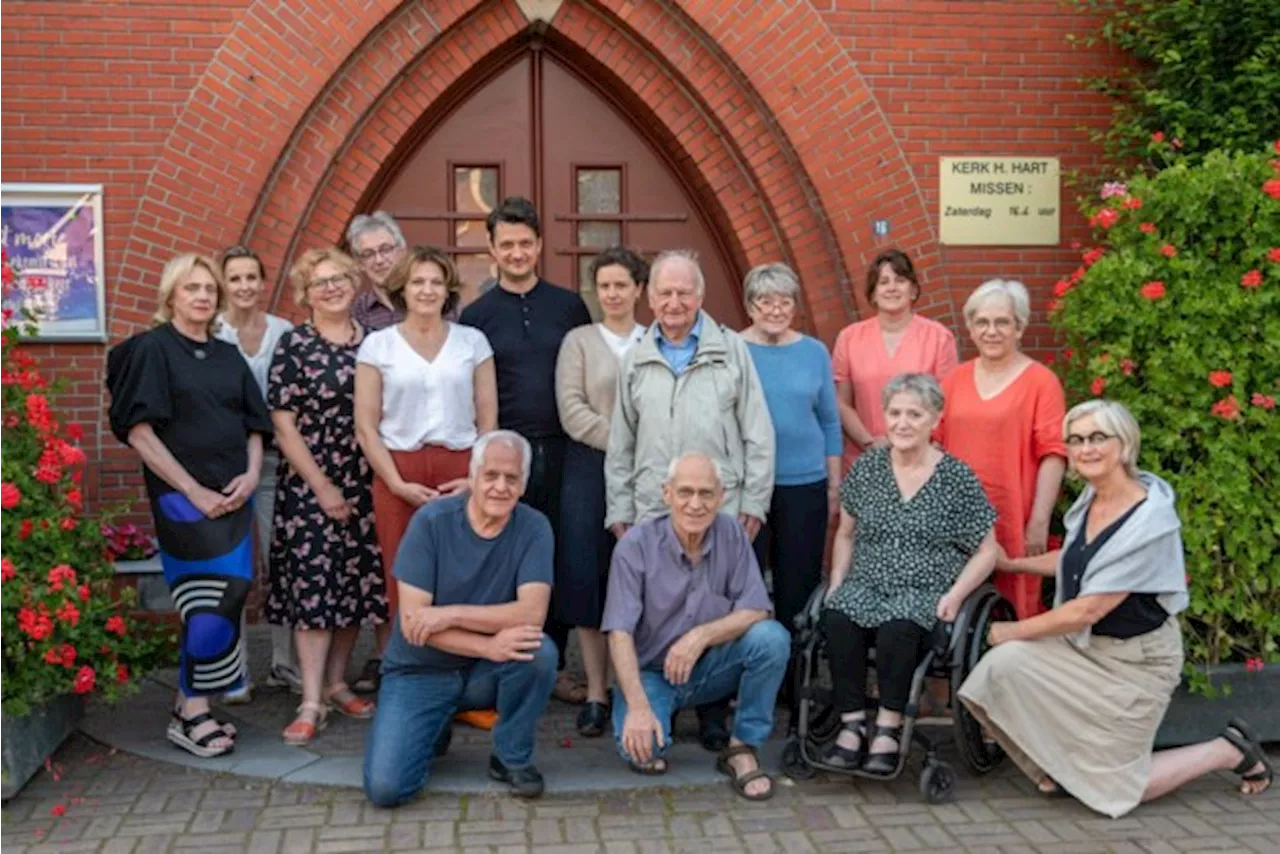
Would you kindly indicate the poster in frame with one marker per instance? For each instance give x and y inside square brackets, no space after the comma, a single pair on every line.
[53,242]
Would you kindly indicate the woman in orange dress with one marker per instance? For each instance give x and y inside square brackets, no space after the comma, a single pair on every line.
[871,352]
[1003,418]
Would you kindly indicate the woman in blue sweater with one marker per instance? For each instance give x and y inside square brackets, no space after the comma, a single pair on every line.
[795,371]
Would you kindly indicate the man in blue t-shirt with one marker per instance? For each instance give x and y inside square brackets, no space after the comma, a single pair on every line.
[475,573]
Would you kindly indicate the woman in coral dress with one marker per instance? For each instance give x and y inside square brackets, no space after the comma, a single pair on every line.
[871,352]
[1003,418]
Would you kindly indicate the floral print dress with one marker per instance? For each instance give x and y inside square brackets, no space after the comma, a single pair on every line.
[324,574]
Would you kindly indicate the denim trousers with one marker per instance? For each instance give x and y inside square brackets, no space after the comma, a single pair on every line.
[414,707]
[751,667]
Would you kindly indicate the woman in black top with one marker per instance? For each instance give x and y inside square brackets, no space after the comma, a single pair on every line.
[188,404]
[1075,695]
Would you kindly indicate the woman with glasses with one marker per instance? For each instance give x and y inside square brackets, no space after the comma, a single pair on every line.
[795,371]
[1003,418]
[1076,694]
[895,341]
[326,569]
[244,324]
[425,391]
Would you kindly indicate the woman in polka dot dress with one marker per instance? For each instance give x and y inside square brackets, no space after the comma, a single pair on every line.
[915,538]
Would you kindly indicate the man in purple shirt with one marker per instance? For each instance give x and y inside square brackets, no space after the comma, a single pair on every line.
[377,243]
[687,616]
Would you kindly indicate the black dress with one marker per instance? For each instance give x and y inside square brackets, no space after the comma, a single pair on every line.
[202,402]
[324,574]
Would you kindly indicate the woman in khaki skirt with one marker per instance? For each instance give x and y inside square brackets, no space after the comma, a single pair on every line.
[1075,695]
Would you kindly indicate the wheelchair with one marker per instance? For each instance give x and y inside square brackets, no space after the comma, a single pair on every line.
[953,654]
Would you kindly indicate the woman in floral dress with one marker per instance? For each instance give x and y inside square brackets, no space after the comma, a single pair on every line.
[326,568]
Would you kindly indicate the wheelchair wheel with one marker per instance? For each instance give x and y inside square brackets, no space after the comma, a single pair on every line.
[979,754]
[793,764]
[937,782]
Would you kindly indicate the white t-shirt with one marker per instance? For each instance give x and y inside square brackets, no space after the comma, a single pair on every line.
[427,403]
[620,344]
[259,362]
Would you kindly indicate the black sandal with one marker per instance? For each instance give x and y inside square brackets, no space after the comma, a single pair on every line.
[848,759]
[179,733]
[592,719]
[884,764]
[1242,738]
[653,768]
[228,728]
[740,781]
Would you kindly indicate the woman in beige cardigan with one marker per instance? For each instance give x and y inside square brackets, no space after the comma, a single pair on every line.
[586,383]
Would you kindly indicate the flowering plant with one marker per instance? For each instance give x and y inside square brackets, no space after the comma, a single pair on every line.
[64,631]
[128,542]
[1176,313]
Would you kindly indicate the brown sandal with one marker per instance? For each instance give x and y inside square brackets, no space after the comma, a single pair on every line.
[569,690]
[302,732]
[740,781]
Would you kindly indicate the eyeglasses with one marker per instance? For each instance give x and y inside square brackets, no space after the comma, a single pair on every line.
[386,250]
[1093,440]
[768,304]
[333,283]
[1002,324]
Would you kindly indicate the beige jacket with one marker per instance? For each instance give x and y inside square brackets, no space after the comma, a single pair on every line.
[586,385]
[715,407]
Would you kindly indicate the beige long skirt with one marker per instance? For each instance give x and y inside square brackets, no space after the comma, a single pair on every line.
[1085,717]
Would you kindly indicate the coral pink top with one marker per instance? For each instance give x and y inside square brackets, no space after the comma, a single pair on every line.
[1003,440]
[860,359]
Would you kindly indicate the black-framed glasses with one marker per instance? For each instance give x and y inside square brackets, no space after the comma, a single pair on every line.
[1093,440]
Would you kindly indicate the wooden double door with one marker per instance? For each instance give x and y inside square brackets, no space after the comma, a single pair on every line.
[537,129]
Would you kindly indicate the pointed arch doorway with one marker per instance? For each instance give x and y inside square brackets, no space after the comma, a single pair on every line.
[538,128]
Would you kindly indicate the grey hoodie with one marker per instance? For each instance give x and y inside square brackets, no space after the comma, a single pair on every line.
[1144,556]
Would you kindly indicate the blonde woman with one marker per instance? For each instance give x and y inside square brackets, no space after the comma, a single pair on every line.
[188,405]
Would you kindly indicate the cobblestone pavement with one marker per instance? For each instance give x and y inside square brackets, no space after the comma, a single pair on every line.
[96,800]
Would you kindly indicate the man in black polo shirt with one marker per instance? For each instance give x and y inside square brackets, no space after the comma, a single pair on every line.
[525,319]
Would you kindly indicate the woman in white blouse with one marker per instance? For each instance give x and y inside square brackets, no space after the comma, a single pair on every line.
[425,391]
[255,334]
[586,384]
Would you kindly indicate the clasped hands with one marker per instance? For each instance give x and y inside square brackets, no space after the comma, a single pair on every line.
[213,504]
[514,643]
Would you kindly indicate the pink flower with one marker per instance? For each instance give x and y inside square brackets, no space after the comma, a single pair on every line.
[1219,379]
[1251,279]
[1227,408]
[1253,665]
[1126,367]
[1168,250]
[1153,290]
[1264,401]
[1114,188]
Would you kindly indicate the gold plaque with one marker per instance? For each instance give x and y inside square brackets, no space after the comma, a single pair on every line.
[999,201]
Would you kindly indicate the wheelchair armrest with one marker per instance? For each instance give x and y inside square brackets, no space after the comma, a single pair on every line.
[942,633]
[808,619]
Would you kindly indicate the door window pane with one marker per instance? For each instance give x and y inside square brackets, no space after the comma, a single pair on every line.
[475,191]
[600,191]
[599,235]
[474,270]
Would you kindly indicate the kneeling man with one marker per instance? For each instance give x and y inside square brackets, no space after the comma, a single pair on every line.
[475,574]
[688,621]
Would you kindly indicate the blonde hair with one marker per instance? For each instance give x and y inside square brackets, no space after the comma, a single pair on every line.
[305,267]
[1113,417]
[175,273]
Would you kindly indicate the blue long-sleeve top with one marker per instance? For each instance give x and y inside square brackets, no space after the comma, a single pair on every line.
[801,395]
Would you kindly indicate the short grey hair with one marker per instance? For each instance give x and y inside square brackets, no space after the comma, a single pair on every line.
[685,257]
[1011,289]
[510,439]
[1112,417]
[770,280]
[923,386]
[674,465]
[376,221]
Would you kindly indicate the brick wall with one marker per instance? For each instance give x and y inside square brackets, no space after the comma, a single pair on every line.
[800,123]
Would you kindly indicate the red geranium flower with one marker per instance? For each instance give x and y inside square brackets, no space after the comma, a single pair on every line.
[1158,136]
[75,432]
[1153,290]
[75,498]
[85,592]
[116,625]
[1093,256]
[1147,228]
[122,674]
[1251,279]
[1061,288]
[64,655]
[1132,203]
[24,530]
[1105,218]
[67,524]
[1168,250]
[68,613]
[10,495]
[85,679]
[37,626]
[1220,379]
[1098,386]
[60,575]
[1272,188]
[1227,408]
[6,569]
[1273,255]
[1265,401]
[1126,367]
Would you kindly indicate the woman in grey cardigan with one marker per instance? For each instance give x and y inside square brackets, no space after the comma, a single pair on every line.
[586,384]
[1075,695]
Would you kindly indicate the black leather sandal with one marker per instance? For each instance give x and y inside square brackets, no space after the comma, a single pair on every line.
[740,781]
[593,719]
[1243,738]
[180,729]
[884,764]
[850,759]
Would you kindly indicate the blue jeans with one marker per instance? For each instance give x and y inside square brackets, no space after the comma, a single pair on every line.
[751,667]
[415,707]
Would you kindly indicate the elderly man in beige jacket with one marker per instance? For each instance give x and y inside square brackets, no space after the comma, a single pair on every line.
[689,386]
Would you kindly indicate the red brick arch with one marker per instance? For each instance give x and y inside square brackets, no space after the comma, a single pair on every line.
[304,108]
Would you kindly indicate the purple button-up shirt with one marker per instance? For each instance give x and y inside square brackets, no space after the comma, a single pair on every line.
[371,313]
[656,594]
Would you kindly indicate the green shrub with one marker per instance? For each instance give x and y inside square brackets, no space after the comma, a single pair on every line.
[1176,313]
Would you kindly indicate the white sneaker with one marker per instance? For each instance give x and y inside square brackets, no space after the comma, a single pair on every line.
[239,697]
[284,676]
